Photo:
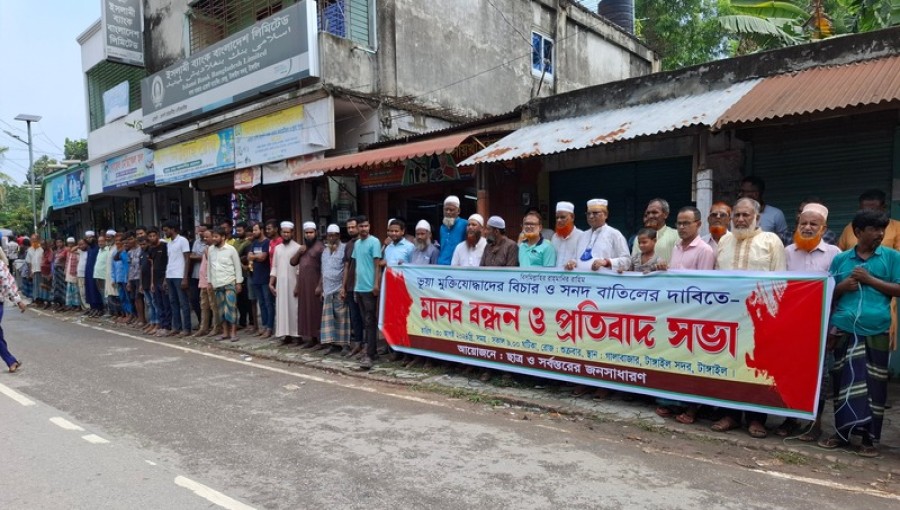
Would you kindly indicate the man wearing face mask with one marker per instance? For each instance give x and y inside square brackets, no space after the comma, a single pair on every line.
[566,235]
[453,230]
[468,253]
[501,251]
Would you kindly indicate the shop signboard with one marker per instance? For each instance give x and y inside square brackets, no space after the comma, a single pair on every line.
[128,170]
[422,170]
[123,31]
[207,155]
[276,51]
[303,129]
[745,340]
[68,188]
[247,178]
[289,170]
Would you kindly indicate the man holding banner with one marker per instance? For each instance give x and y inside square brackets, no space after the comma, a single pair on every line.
[867,276]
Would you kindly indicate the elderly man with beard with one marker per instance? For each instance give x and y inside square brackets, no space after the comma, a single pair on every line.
[810,253]
[868,277]
[469,252]
[566,235]
[308,260]
[719,218]
[501,251]
[748,248]
[655,217]
[453,230]
[534,251]
[335,333]
[425,253]
[283,284]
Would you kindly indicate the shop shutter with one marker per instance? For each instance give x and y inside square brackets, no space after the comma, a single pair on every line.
[627,186]
[834,164]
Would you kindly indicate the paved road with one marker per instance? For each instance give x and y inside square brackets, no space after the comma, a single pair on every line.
[188,427]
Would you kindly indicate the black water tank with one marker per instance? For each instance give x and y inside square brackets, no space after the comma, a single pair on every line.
[620,12]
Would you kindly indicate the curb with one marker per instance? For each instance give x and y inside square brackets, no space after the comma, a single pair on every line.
[488,390]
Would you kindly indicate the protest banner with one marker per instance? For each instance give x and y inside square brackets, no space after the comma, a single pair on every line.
[744,340]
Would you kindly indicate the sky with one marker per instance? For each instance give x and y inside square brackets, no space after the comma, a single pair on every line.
[41,63]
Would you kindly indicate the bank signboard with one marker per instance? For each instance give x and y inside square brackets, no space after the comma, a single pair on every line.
[275,51]
[123,31]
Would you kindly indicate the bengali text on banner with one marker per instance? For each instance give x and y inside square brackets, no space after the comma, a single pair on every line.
[743,340]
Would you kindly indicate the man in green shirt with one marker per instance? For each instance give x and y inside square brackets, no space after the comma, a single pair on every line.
[655,217]
[534,250]
[867,276]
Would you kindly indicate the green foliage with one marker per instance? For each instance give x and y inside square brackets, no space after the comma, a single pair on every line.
[15,207]
[42,167]
[682,32]
[867,15]
[76,149]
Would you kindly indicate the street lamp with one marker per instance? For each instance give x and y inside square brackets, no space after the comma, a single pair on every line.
[28,119]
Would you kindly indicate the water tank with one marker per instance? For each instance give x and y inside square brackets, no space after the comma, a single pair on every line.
[620,12]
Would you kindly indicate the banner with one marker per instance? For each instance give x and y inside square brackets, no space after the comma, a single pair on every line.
[247,178]
[303,129]
[206,155]
[743,340]
[128,170]
[69,188]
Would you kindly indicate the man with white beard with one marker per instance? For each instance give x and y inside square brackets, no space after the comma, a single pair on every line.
[453,230]
[748,249]
[468,253]
[425,253]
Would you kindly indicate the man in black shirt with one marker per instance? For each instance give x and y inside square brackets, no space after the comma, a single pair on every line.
[159,258]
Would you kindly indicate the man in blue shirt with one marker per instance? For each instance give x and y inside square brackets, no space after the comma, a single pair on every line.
[367,254]
[867,276]
[771,218]
[453,230]
[399,250]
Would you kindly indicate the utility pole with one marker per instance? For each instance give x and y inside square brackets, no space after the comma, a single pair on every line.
[28,119]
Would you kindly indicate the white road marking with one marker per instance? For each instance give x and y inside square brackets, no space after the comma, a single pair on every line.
[15,395]
[211,495]
[65,424]
[94,438]
[830,485]
[150,462]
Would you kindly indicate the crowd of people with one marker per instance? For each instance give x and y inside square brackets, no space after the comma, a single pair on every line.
[262,280]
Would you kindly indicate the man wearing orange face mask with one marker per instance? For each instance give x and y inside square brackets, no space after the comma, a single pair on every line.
[566,234]
[718,219]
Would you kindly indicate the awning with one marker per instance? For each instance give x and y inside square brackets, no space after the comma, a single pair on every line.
[400,152]
[614,125]
[819,89]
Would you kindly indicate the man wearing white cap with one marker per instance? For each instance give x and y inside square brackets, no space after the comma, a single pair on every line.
[468,253]
[809,252]
[566,235]
[335,333]
[534,250]
[602,246]
[283,284]
[308,260]
[453,230]
[501,251]
[425,253]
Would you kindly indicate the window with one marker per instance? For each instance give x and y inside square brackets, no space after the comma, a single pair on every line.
[105,76]
[542,56]
[348,19]
[214,20]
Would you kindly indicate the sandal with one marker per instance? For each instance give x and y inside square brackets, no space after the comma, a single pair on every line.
[868,451]
[787,427]
[688,417]
[757,430]
[669,411]
[833,442]
[725,424]
[812,435]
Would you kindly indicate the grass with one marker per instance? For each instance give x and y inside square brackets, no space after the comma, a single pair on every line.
[792,458]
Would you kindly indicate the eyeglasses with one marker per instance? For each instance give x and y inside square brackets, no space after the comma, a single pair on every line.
[718,214]
[531,224]
[685,223]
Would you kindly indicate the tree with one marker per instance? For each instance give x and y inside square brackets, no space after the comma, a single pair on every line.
[76,149]
[682,32]
[42,167]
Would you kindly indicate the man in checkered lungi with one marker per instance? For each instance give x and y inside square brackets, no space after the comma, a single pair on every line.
[226,277]
[335,332]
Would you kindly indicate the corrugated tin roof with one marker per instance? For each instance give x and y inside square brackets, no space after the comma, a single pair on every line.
[613,125]
[819,89]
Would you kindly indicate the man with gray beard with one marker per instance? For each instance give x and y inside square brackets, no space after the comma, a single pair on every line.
[501,251]
[425,253]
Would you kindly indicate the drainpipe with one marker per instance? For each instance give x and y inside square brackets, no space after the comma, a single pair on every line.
[703,180]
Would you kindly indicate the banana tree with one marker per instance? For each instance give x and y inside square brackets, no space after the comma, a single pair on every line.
[764,25]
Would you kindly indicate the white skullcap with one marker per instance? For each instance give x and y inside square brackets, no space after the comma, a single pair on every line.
[477,217]
[819,209]
[597,202]
[287,224]
[496,222]
[110,232]
[89,233]
[423,225]
[333,229]
[390,221]
[70,240]
[568,207]
[452,199]
[308,225]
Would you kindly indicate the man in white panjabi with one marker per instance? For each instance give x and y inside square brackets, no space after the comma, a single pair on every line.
[601,245]
[749,248]
[283,283]
[566,235]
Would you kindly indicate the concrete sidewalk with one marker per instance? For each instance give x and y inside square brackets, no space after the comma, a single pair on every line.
[547,396]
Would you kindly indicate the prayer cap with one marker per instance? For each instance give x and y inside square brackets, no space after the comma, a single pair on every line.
[423,225]
[287,224]
[568,207]
[70,240]
[308,225]
[89,233]
[478,218]
[819,209]
[333,229]
[110,232]
[597,202]
[496,222]
[452,200]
